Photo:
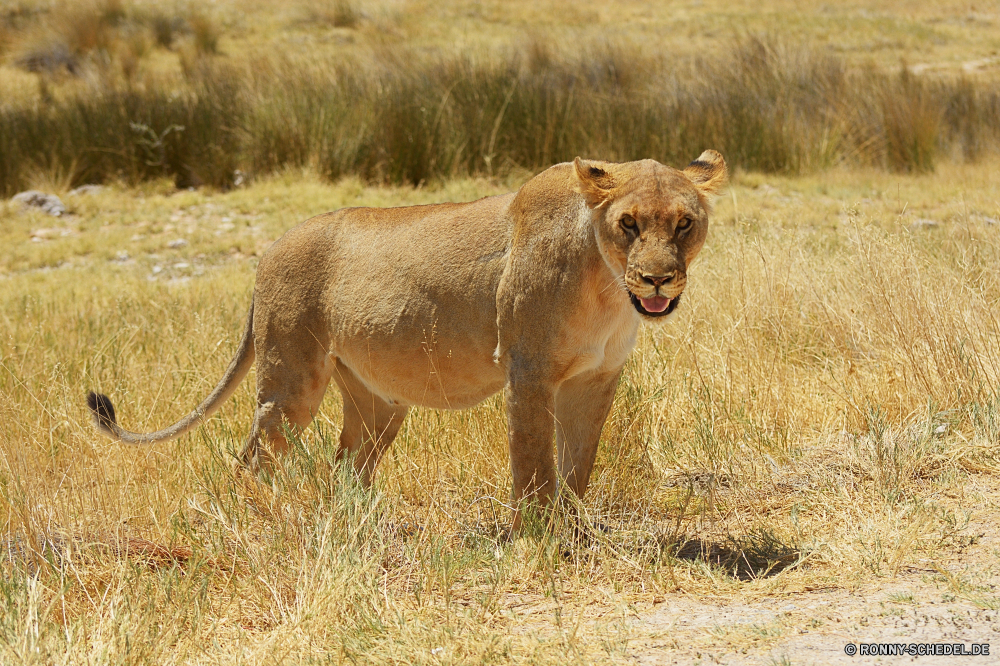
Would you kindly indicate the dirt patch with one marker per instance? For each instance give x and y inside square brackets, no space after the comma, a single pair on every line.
[957,601]
[812,627]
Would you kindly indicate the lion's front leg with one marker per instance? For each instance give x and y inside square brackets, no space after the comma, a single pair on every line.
[582,406]
[530,422]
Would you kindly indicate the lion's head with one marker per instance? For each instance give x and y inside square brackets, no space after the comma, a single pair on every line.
[651,221]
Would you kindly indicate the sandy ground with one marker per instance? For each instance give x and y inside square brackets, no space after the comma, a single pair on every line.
[953,598]
[814,627]
[952,601]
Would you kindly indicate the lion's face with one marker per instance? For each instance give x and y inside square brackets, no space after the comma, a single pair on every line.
[651,221]
[650,237]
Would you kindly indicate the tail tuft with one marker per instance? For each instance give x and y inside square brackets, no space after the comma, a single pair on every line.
[102,409]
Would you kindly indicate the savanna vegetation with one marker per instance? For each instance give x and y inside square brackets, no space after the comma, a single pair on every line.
[823,415]
[399,113]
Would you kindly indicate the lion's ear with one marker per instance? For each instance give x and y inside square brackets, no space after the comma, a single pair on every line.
[708,172]
[593,182]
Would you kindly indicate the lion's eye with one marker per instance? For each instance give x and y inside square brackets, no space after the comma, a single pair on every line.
[628,223]
[684,224]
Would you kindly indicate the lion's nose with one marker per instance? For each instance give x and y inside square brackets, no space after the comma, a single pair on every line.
[657,280]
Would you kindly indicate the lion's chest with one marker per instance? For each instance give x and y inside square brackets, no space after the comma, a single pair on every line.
[597,353]
[598,334]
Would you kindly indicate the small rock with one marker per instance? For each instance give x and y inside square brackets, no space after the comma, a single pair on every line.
[122,256]
[181,265]
[49,203]
[941,429]
[43,234]
[923,222]
[174,244]
[85,189]
[157,269]
[50,58]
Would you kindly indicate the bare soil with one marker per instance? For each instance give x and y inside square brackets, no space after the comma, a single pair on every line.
[950,599]
[814,627]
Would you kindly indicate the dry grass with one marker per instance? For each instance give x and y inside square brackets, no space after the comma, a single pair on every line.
[120,97]
[822,414]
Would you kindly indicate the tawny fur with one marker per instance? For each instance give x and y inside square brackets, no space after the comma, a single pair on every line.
[536,293]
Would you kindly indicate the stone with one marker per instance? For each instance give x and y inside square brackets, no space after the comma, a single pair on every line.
[49,203]
[85,189]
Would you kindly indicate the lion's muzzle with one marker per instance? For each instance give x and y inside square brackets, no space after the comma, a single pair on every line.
[657,294]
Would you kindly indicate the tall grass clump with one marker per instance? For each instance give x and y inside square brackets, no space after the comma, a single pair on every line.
[403,117]
[100,37]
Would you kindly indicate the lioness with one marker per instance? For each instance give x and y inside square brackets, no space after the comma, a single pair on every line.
[539,293]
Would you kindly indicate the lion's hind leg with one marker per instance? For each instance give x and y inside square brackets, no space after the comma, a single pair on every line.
[290,389]
[370,423]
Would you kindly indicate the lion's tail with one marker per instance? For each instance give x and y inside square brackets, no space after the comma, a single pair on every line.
[104,412]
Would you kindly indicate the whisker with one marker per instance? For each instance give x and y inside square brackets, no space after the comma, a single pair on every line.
[620,281]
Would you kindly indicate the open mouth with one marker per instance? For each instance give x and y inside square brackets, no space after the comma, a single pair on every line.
[658,306]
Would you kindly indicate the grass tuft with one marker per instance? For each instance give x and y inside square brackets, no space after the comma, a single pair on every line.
[407,117]
[205,33]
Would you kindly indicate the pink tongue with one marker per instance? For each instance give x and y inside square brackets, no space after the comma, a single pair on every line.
[655,304]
